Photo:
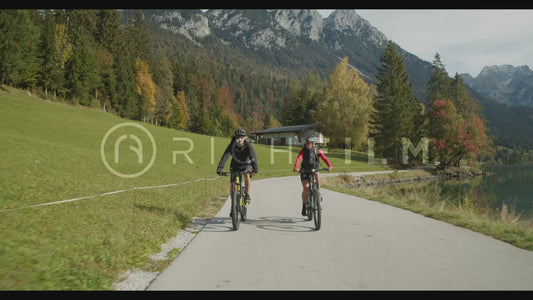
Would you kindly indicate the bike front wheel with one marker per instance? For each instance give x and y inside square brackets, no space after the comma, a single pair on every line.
[317,209]
[235,209]
[309,206]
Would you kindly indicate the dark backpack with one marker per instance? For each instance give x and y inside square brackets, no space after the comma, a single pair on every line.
[310,159]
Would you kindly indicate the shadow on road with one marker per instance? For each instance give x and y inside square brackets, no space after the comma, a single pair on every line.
[277,223]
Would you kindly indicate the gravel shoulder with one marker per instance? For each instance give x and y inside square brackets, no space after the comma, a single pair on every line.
[138,279]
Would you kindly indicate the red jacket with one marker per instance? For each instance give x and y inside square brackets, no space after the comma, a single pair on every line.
[320,154]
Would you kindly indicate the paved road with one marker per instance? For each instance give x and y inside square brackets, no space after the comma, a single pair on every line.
[362,245]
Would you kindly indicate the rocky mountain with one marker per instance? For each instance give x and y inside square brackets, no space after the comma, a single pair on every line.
[505,84]
[296,42]
[300,40]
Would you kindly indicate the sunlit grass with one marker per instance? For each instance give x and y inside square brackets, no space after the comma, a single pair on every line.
[51,152]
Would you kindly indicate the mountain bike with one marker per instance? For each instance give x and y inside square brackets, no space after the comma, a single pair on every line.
[239,205]
[313,206]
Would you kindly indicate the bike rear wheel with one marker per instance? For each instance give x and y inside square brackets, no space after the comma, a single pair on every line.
[317,209]
[235,209]
[309,206]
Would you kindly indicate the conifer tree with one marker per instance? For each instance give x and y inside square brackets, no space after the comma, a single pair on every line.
[82,74]
[460,96]
[300,106]
[108,30]
[108,38]
[438,86]
[46,51]
[162,77]
[127,101]
[395,107]
[18,64]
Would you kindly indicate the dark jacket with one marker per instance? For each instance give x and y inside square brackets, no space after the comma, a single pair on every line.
[242,157]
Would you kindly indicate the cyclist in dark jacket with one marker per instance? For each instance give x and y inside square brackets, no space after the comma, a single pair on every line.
[309,157]
[243,158]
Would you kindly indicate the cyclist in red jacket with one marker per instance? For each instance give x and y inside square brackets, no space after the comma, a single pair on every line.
[309,157]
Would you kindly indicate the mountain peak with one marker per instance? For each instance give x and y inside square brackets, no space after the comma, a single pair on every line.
[345,20]
[301,22]
[505,84]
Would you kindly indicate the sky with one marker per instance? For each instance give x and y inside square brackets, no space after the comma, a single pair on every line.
[466,40]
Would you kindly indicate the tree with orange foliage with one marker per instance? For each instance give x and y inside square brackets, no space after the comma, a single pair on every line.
[454,136]
[145,88]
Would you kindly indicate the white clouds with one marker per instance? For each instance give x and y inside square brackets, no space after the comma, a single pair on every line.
[466,40]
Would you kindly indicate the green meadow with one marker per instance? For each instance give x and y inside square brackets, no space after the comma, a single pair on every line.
[161,178]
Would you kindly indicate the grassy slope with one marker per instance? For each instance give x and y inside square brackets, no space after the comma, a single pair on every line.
[51,152]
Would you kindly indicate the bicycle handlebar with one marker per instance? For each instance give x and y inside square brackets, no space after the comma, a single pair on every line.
[314,170]
[229,173]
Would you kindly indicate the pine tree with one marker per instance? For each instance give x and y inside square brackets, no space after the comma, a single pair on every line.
[438,86]
[460,96]
[140,38]
[108,30]
[300,106]
[127,101]
[162,77]
[395,107]
[82,74]
[46,51]
[18,49]
[108,39]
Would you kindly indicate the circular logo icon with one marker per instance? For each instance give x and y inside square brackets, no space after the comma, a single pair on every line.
[129,136]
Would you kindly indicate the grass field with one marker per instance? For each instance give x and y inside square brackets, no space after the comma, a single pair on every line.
[52,152]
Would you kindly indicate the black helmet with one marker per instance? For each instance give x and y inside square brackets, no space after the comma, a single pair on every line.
[240,132]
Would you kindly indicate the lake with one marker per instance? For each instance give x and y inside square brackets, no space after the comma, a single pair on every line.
[512,185]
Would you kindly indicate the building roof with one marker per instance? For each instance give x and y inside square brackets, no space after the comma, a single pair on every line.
[294,128]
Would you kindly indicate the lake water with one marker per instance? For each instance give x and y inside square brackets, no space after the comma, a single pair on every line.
[512,185]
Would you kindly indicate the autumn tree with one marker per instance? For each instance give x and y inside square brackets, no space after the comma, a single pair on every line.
[444,122]
[456,124]
[256,120]
[344,111]
[228,120]
[146,89]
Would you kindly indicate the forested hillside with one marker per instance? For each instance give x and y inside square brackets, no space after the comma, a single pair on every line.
[127,64]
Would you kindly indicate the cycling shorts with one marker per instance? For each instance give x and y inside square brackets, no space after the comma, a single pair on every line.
[305,174]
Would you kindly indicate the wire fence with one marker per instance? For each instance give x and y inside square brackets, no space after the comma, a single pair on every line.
[124,190]
[110,193]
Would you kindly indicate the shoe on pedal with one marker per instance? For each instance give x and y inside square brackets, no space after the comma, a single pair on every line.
[247,198]
[304,212]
